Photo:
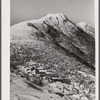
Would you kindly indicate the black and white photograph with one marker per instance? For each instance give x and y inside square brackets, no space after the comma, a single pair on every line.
[52,50]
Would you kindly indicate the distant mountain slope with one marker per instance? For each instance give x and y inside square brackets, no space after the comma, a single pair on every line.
[87,28]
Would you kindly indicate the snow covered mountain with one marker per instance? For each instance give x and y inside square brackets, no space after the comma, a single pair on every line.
[59,44]
[58,30]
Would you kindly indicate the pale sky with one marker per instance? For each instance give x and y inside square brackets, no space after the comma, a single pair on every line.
[76,10]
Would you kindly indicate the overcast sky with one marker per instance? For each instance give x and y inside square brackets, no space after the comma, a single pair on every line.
[76,10]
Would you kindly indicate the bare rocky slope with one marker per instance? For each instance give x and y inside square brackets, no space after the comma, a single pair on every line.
[59,44]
